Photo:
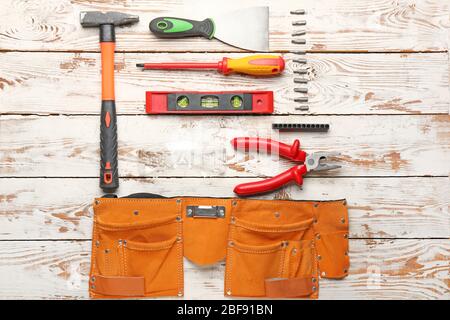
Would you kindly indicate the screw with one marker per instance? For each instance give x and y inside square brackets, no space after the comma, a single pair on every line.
[299,11]
[301,90]
[298,33]
[298,41]
[301,99]
[299,23]
[300,80]
[299,60]
[301,71]
[302,108]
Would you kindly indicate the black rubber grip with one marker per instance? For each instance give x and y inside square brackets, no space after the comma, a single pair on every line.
[109,173]
[170,27]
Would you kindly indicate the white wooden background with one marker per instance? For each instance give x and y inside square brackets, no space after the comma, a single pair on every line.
[379,74]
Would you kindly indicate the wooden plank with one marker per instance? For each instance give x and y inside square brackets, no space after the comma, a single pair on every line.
[335,25]
[380,269]
[378,207]
[338,83]
[68,146]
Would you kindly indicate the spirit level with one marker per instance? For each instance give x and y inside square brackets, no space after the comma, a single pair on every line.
[247,102]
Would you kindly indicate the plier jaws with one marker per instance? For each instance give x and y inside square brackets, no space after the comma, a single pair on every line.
[315,161]
[306,162]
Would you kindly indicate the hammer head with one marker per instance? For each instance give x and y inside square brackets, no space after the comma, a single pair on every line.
[97,18]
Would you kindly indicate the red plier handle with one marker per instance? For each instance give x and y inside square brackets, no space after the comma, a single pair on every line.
[291,152]
[293,174]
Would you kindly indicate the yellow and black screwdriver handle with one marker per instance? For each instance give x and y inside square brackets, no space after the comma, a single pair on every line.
[109,173]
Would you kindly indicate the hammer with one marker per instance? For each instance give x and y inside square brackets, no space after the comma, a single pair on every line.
[109,174]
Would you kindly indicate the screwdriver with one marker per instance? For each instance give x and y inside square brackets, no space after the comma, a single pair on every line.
[255,65]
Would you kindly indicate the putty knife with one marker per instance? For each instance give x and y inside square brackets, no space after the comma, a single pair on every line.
[244,28]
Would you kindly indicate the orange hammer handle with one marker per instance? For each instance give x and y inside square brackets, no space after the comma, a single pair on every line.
[107,52]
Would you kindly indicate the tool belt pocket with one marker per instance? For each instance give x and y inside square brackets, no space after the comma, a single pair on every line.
[270,260]
[140,258]
[333,258]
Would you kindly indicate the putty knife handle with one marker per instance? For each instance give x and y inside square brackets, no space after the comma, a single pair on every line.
[169,27]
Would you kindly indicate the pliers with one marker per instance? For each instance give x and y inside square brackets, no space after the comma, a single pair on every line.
[309,162]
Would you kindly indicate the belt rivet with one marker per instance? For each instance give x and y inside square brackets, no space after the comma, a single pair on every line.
[97,202]
[319,257]
[230,243]
[342,220]
[314,280]
[92,279]
[234,202]
[318,236]
[316,205]
[106,250]
[345,270]
[93,287]
[229,293]
[97,243]
[178,218]
[294,251]
[179,239]
[180,294]
[324,273]
[346,253]
[277,214]
[314,288]
[233,220]
[315,220]
[136,212]
[346,236]
[178,201]
[284,244]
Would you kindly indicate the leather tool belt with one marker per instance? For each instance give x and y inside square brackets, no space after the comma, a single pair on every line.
[272,248]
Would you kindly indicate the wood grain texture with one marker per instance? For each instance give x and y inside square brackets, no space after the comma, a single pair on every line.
[380,269]
[43,209]
[338,83]
[335,25]
[68,146]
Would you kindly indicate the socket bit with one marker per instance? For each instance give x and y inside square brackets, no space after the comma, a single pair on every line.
[300,80]
[298,41]
[299,52]
[299,33]
[302,108]
[299,23]
[299,11]
[301,71]
[303,61]
[301,90]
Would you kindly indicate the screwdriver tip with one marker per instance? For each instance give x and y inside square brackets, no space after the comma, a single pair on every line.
[139,65]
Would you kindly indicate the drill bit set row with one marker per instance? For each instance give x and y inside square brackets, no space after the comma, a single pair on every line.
[299,60]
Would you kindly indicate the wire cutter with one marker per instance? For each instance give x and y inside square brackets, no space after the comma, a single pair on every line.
[309,162]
